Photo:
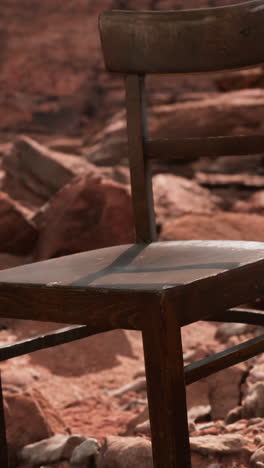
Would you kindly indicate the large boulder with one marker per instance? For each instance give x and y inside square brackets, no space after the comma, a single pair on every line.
[135,452]
[253,404]
[234,113]
[221,384]
[18,233]
[226,444]
[86,214]
[51,64]
[175,196]
[35,172]
[216,226]
[22,408]
[212,114]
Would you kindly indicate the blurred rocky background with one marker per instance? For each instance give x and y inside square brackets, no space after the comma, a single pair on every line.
[64,188]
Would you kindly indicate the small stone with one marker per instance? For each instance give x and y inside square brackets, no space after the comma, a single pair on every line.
[125,452]
[199,412]
[253,405]
[226,330]
[84,452]
[236,427]
[17,379]
[143,428]
[175,196]
[52,450]
[234,415]
[257,371]
[257,459]
[18,234]
[226,444]
[253,421]
[258,440]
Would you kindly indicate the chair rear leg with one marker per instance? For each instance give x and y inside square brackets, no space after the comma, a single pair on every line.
[166,391]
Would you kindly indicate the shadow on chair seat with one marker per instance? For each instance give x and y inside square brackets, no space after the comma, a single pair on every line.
[157,266]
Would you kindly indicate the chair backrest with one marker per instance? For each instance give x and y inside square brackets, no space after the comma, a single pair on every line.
[188,41]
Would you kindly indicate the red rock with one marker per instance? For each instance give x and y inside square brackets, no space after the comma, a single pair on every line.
[137,420]
[63,144]
[108,152]
[125,452]
[221,225]
[29,418]
[222,180]
[234,113]
[257,459]
[55,449]
[230,165]
[175,196]
[252,78]
[235,414]
[35,172]
[257,371]
[221,384]
[225,444]
[227,330]
[17,379]
[17,233]
[253,404]
[52,78]
[255,204]
[86,214]
[119,174]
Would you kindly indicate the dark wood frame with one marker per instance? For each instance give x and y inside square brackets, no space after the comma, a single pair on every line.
[182,42]
[188,41]
[156,42]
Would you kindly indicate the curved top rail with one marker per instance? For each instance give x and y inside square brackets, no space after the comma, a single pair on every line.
[186,41]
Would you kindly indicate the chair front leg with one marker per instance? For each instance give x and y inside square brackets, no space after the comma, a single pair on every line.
[166,390]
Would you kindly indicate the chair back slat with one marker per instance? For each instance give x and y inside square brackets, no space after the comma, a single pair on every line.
[136,43]
[141,183]
[175,148]
[188,41]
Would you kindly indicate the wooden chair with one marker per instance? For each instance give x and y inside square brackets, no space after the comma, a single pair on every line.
[152,286]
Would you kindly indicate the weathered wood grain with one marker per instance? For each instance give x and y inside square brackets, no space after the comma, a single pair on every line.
[96,308]
[141,183]
[239,315]
[187,41]
[106,288]
[151,286]
[205,147]
[166,390]
[203,299]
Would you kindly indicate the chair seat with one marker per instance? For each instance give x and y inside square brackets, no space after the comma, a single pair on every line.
[139,267]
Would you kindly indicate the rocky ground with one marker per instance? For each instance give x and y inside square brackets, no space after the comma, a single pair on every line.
[64,188]
[63,194]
